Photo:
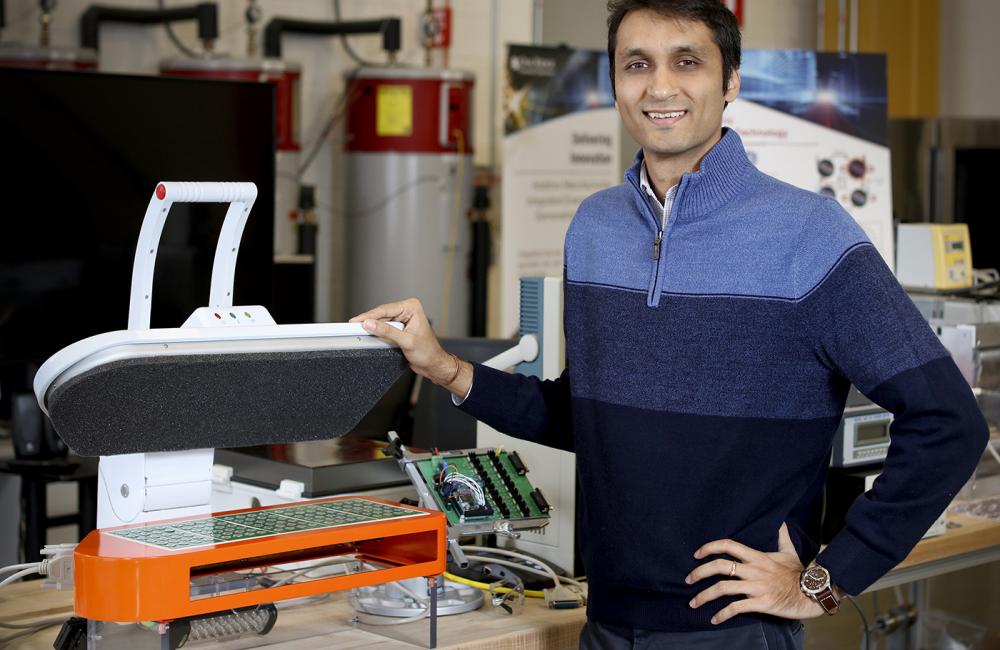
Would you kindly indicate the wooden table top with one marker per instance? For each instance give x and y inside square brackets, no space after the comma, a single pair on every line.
[327,624]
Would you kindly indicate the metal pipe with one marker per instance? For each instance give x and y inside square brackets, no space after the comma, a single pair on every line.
[854,26]
[841,25]
[389,28]
[428,16]
[820,25]
[206,13]
[480,273]
[45,22]
[495,53]
[537,22]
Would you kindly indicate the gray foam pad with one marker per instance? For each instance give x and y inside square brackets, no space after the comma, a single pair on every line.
[220,400]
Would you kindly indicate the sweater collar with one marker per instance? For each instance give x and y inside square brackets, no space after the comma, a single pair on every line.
[723,174]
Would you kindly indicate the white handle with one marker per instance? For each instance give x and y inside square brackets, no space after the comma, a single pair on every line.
[526,350]
[239,196]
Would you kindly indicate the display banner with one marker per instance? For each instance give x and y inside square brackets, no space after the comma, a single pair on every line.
[561,145]
[819,120]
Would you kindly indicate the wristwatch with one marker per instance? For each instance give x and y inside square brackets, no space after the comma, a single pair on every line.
[815,583]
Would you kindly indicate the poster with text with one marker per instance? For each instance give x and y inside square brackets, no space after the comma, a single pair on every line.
[561,142]
[819,120]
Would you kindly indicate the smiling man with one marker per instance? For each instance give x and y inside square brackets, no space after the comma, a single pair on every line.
[715,319]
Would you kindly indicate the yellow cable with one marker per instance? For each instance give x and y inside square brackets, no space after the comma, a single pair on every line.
[530,593]
[456,218]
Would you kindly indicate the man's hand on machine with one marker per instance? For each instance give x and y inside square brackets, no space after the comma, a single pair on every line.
[418,343]
[769,581]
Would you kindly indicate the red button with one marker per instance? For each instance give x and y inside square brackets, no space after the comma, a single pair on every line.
[161,191]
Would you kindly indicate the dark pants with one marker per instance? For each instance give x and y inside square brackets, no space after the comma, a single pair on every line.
[767,635]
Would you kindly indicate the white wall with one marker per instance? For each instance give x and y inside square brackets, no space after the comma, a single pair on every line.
[139,49]
[970,49]
[780,24]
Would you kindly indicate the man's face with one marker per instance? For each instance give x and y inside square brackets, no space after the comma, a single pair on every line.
[668,84]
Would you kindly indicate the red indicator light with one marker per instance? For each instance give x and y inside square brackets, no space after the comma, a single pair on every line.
[161,191]
[217,316]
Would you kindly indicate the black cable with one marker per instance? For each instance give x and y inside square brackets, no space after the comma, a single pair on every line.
[335,117]
[864,621]
[347,46]
[26,633]
[188,52]
[402,189]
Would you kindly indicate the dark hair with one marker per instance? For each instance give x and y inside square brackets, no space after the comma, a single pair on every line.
[712,13]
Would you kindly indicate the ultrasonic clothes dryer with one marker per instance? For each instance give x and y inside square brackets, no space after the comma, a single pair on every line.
[153,403]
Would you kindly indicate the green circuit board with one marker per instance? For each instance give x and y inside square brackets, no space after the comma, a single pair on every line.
[508,493]
[261,523]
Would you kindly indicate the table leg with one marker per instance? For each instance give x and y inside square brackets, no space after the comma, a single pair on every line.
[432,590]
[35,515]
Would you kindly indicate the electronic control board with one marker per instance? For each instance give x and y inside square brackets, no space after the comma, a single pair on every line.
[483,490]
[476,486]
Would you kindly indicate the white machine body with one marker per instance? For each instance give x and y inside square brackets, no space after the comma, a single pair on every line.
[863,436]
[934,256]
[144,487]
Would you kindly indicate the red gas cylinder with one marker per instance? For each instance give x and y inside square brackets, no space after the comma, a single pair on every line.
[408,188]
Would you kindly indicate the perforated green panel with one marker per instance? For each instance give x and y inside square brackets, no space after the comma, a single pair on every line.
[261,523]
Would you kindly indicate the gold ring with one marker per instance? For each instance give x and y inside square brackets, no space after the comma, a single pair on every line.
[732,571]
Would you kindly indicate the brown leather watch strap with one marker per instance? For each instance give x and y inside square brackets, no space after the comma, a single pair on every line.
[828,601]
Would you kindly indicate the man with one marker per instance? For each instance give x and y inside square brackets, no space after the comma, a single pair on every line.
[715,319]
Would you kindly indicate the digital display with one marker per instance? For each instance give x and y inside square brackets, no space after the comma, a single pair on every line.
[956,245]
[867,433]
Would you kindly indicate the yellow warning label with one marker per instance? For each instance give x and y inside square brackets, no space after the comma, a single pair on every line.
[394,110]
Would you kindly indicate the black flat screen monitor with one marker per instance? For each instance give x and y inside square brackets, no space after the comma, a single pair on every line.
[83,153]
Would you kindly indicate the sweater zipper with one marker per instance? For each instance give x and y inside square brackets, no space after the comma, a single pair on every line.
[653,293]
[656,288]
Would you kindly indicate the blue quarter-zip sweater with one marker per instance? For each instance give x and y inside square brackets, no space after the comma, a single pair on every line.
[704,386]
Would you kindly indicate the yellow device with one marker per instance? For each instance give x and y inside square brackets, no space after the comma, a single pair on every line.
[934,256]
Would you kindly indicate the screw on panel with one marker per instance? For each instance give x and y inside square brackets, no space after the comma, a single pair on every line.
[124,490]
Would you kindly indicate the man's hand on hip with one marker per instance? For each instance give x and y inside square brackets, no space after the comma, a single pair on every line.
[418,344]
[769,581]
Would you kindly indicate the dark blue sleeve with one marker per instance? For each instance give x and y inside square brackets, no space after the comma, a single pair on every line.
[522,406]
[870,333]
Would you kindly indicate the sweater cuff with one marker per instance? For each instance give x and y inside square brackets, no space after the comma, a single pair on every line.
[458,401]
[853,565]
[488,382]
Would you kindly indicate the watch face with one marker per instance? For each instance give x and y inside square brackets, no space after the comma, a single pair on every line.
[815,580]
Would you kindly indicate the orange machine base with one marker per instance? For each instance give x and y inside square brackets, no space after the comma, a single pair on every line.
[126,580]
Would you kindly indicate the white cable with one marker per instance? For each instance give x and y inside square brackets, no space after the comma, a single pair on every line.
[295,573]
[18,567]
[399,621]
[993,451]
[476,489]
[17,576]
[519,556]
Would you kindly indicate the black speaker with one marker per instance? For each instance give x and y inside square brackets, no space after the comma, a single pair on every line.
[32,433]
